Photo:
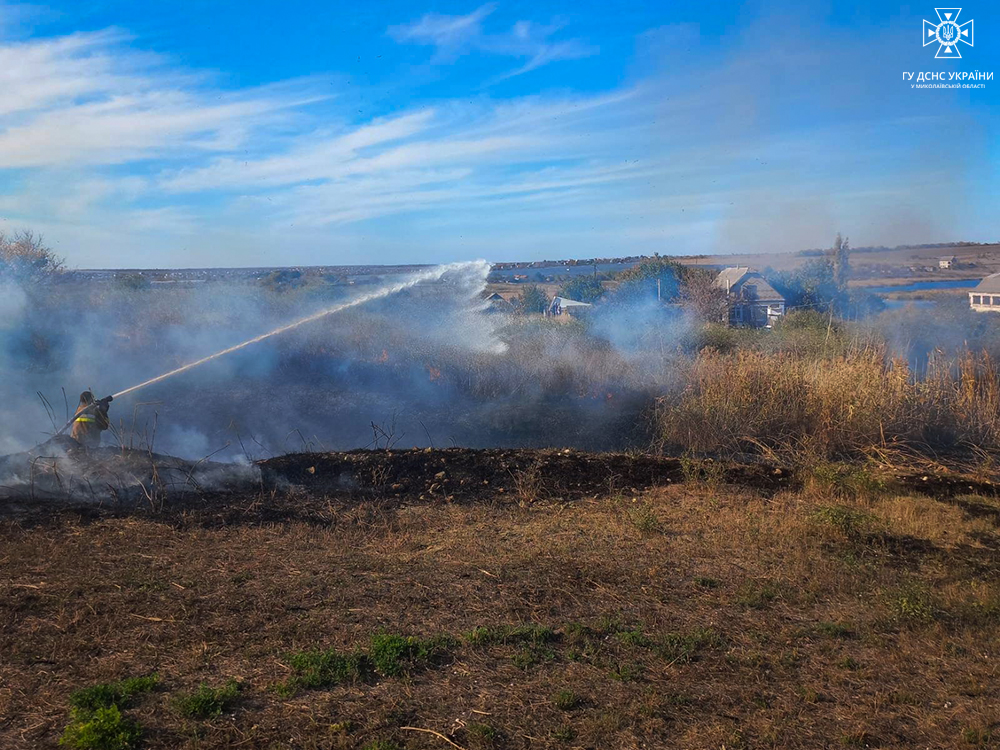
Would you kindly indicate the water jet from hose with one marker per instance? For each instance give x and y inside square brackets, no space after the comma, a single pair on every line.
[432,274]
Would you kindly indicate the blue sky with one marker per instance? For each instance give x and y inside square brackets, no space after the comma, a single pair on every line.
[218,132]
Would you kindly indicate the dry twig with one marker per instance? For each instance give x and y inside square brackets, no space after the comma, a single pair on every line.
[436,734]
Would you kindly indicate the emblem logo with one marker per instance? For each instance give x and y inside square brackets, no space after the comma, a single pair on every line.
[948,33]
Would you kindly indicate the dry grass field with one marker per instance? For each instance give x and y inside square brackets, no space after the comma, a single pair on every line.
[696,614]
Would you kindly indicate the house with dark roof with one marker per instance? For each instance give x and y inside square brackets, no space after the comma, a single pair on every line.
[753,303]
[501,303]
[947,261]
[985,297]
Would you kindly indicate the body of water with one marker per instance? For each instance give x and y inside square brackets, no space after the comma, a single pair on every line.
[538,274]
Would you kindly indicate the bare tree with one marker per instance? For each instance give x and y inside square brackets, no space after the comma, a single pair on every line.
[24,256]
[700,295]
[841,260]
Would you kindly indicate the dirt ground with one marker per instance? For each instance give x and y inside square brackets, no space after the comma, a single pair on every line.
[621,603]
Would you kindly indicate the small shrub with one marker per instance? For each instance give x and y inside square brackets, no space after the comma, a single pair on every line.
[528,486]
[320,669]
[703,470]
[706,583]
[847,481]
[106,695]
[690,469]
[566,700]
[853,524]
[104,728]
[643,518]
[911,605]
[392,655]
[207,702]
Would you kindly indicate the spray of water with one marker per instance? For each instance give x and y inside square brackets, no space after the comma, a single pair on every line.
[432,274]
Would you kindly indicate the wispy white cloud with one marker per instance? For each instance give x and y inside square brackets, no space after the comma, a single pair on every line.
[86,99]
[454,36]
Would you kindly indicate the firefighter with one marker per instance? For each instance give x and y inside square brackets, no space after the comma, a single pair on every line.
[91,420]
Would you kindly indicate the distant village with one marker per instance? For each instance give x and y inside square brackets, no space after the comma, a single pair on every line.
[747,297]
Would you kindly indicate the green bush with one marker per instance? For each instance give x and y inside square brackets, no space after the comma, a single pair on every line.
[392,655]
[101,729]
[845,480]
[643,517]
[324,668]
[106,695]
[207,702]
[911,604]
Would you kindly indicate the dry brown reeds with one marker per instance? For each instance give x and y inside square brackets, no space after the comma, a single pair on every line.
[851,405]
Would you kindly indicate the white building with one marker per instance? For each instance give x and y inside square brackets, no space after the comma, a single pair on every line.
[986,296]
[564,306]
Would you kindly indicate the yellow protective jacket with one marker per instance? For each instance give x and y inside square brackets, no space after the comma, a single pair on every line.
[89,423]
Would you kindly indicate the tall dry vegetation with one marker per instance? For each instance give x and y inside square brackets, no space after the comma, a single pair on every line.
[849,406]
[25,257]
